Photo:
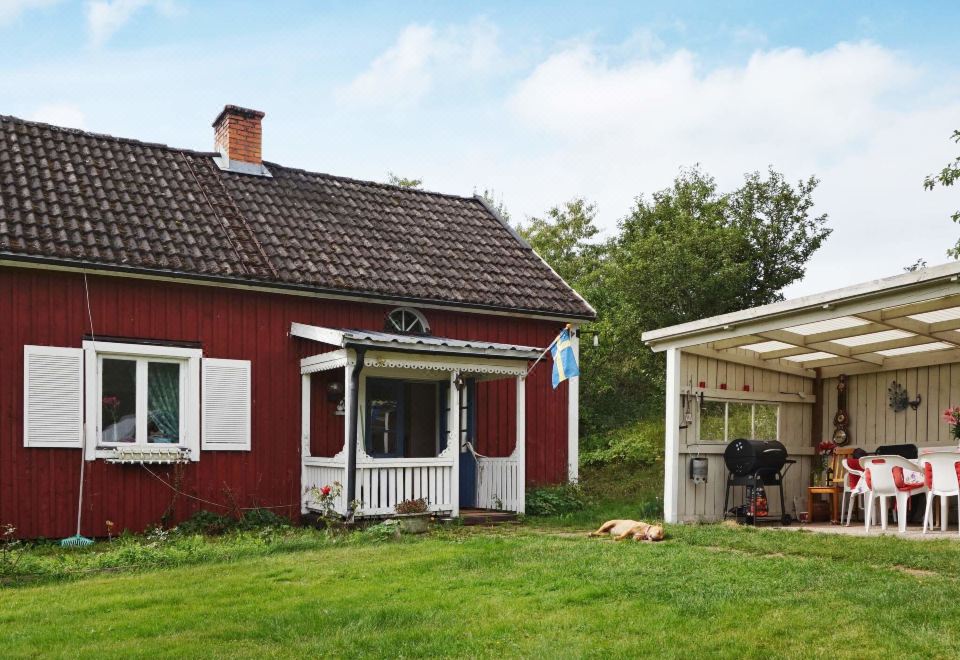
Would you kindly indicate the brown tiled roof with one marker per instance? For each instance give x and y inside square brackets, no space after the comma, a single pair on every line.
[76,197]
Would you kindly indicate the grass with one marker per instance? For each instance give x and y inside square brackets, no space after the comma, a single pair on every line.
[539,589]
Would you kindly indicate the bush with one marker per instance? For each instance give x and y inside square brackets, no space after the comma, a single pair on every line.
[555,500]
[207,523]
[640,443]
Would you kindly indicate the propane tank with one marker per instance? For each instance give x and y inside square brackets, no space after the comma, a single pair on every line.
[698,469]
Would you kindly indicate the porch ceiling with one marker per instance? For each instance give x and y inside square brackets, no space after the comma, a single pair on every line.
[900,322]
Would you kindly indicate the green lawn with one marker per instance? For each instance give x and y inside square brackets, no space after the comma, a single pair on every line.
[536,590]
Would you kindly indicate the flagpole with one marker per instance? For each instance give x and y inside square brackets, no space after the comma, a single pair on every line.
[545,351]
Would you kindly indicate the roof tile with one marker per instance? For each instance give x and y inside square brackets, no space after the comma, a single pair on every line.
[74,195]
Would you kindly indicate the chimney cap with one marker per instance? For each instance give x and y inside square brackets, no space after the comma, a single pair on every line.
[237,110]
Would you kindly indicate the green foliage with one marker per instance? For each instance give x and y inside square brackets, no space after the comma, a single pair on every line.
[209,523]
[403,182]
[555,500]
[565,239]
[687,252]
[639,443]
[949,175]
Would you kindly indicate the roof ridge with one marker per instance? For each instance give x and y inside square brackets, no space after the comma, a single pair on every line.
[197,152]
[105,136]
[377,184]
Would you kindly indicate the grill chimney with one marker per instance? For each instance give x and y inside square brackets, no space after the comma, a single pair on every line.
[238,138]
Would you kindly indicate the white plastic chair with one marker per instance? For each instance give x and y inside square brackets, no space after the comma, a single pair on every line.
[885,480]
[853,486]
[940,476]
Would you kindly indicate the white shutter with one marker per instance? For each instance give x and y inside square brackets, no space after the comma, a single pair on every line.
[226,405]
[52,396]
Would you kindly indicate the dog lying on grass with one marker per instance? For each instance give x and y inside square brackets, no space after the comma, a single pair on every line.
[630,529]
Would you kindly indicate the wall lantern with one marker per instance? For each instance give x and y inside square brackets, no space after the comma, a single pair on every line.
[699,469]
[334,391]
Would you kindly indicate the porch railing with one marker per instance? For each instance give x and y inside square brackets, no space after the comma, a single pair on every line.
[500,483]
[382,484]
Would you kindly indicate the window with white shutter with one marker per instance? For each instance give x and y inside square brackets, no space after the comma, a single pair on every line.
[52,396]
[226,405]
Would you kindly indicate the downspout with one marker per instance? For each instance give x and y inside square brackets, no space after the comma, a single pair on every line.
[352,432]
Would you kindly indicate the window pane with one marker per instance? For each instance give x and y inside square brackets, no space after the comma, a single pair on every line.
[383,406]
[420,419]
[765,421]
[119,400]
[711,422]
[739,423]
[163,402]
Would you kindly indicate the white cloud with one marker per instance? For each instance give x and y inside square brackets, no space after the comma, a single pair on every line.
[408,70]
[11,10]
[856,115]
[60,114]
[106,17]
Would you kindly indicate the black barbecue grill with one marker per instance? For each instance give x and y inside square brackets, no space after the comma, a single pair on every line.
[753,463]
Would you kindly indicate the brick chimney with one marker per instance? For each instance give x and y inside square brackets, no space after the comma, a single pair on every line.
[238,139]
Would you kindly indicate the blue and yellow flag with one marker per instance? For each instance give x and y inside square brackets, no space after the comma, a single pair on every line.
[564,359]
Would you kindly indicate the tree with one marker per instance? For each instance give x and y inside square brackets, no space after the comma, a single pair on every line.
[949,175]
[565,239]
[687,252]
[394,180]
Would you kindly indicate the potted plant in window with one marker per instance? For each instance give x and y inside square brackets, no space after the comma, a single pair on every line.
[414,515]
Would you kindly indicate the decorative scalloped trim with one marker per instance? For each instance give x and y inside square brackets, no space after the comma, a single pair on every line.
[474,368]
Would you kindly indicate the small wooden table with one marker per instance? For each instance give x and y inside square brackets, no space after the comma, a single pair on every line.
[833,492]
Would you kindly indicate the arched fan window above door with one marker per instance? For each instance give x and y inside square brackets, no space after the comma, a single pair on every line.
[407,321]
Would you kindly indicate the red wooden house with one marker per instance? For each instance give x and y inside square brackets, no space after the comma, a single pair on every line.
[208,330]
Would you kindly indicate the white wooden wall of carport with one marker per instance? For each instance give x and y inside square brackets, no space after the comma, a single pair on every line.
[704,502]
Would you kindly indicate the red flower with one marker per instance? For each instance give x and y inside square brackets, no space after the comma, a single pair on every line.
[111,401]
[325,490]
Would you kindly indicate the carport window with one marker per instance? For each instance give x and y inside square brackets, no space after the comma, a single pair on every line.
[723,421]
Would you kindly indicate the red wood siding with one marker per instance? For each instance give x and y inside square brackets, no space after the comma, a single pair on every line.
[38,487]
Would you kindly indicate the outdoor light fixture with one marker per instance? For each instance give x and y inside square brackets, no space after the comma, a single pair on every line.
[594,333]
[458,382]
[334,391]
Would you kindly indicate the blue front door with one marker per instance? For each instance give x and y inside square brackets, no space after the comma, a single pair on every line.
[468,463]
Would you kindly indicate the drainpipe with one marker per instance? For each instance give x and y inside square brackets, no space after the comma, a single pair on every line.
[352,432]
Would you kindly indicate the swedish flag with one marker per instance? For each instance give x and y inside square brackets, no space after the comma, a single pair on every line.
[564,359]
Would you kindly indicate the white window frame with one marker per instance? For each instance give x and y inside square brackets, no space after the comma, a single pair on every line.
[726,419]
[189,358]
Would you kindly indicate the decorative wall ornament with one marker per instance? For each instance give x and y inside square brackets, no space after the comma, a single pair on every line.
[899,399]
[841,421]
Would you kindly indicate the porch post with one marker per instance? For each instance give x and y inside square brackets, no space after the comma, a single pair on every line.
[671,452]
[453,442]
[353,412]
[573,413]
[521,446]
[304,435]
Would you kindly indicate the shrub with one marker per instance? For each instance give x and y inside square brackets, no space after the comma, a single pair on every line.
[207,523]
[555,500]
[255,519]
[640,443]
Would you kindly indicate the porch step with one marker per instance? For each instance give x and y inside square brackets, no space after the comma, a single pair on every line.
[486,517]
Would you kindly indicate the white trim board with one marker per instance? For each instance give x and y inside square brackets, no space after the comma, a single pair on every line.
[908,288]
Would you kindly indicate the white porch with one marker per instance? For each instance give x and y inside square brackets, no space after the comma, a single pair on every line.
[381,481]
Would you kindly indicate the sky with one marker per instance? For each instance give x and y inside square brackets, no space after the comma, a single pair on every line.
[539,102]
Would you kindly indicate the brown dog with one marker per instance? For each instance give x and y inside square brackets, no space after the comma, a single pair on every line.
[630,529]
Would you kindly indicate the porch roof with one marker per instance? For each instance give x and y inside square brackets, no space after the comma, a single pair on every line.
[908,320]
[439,346]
